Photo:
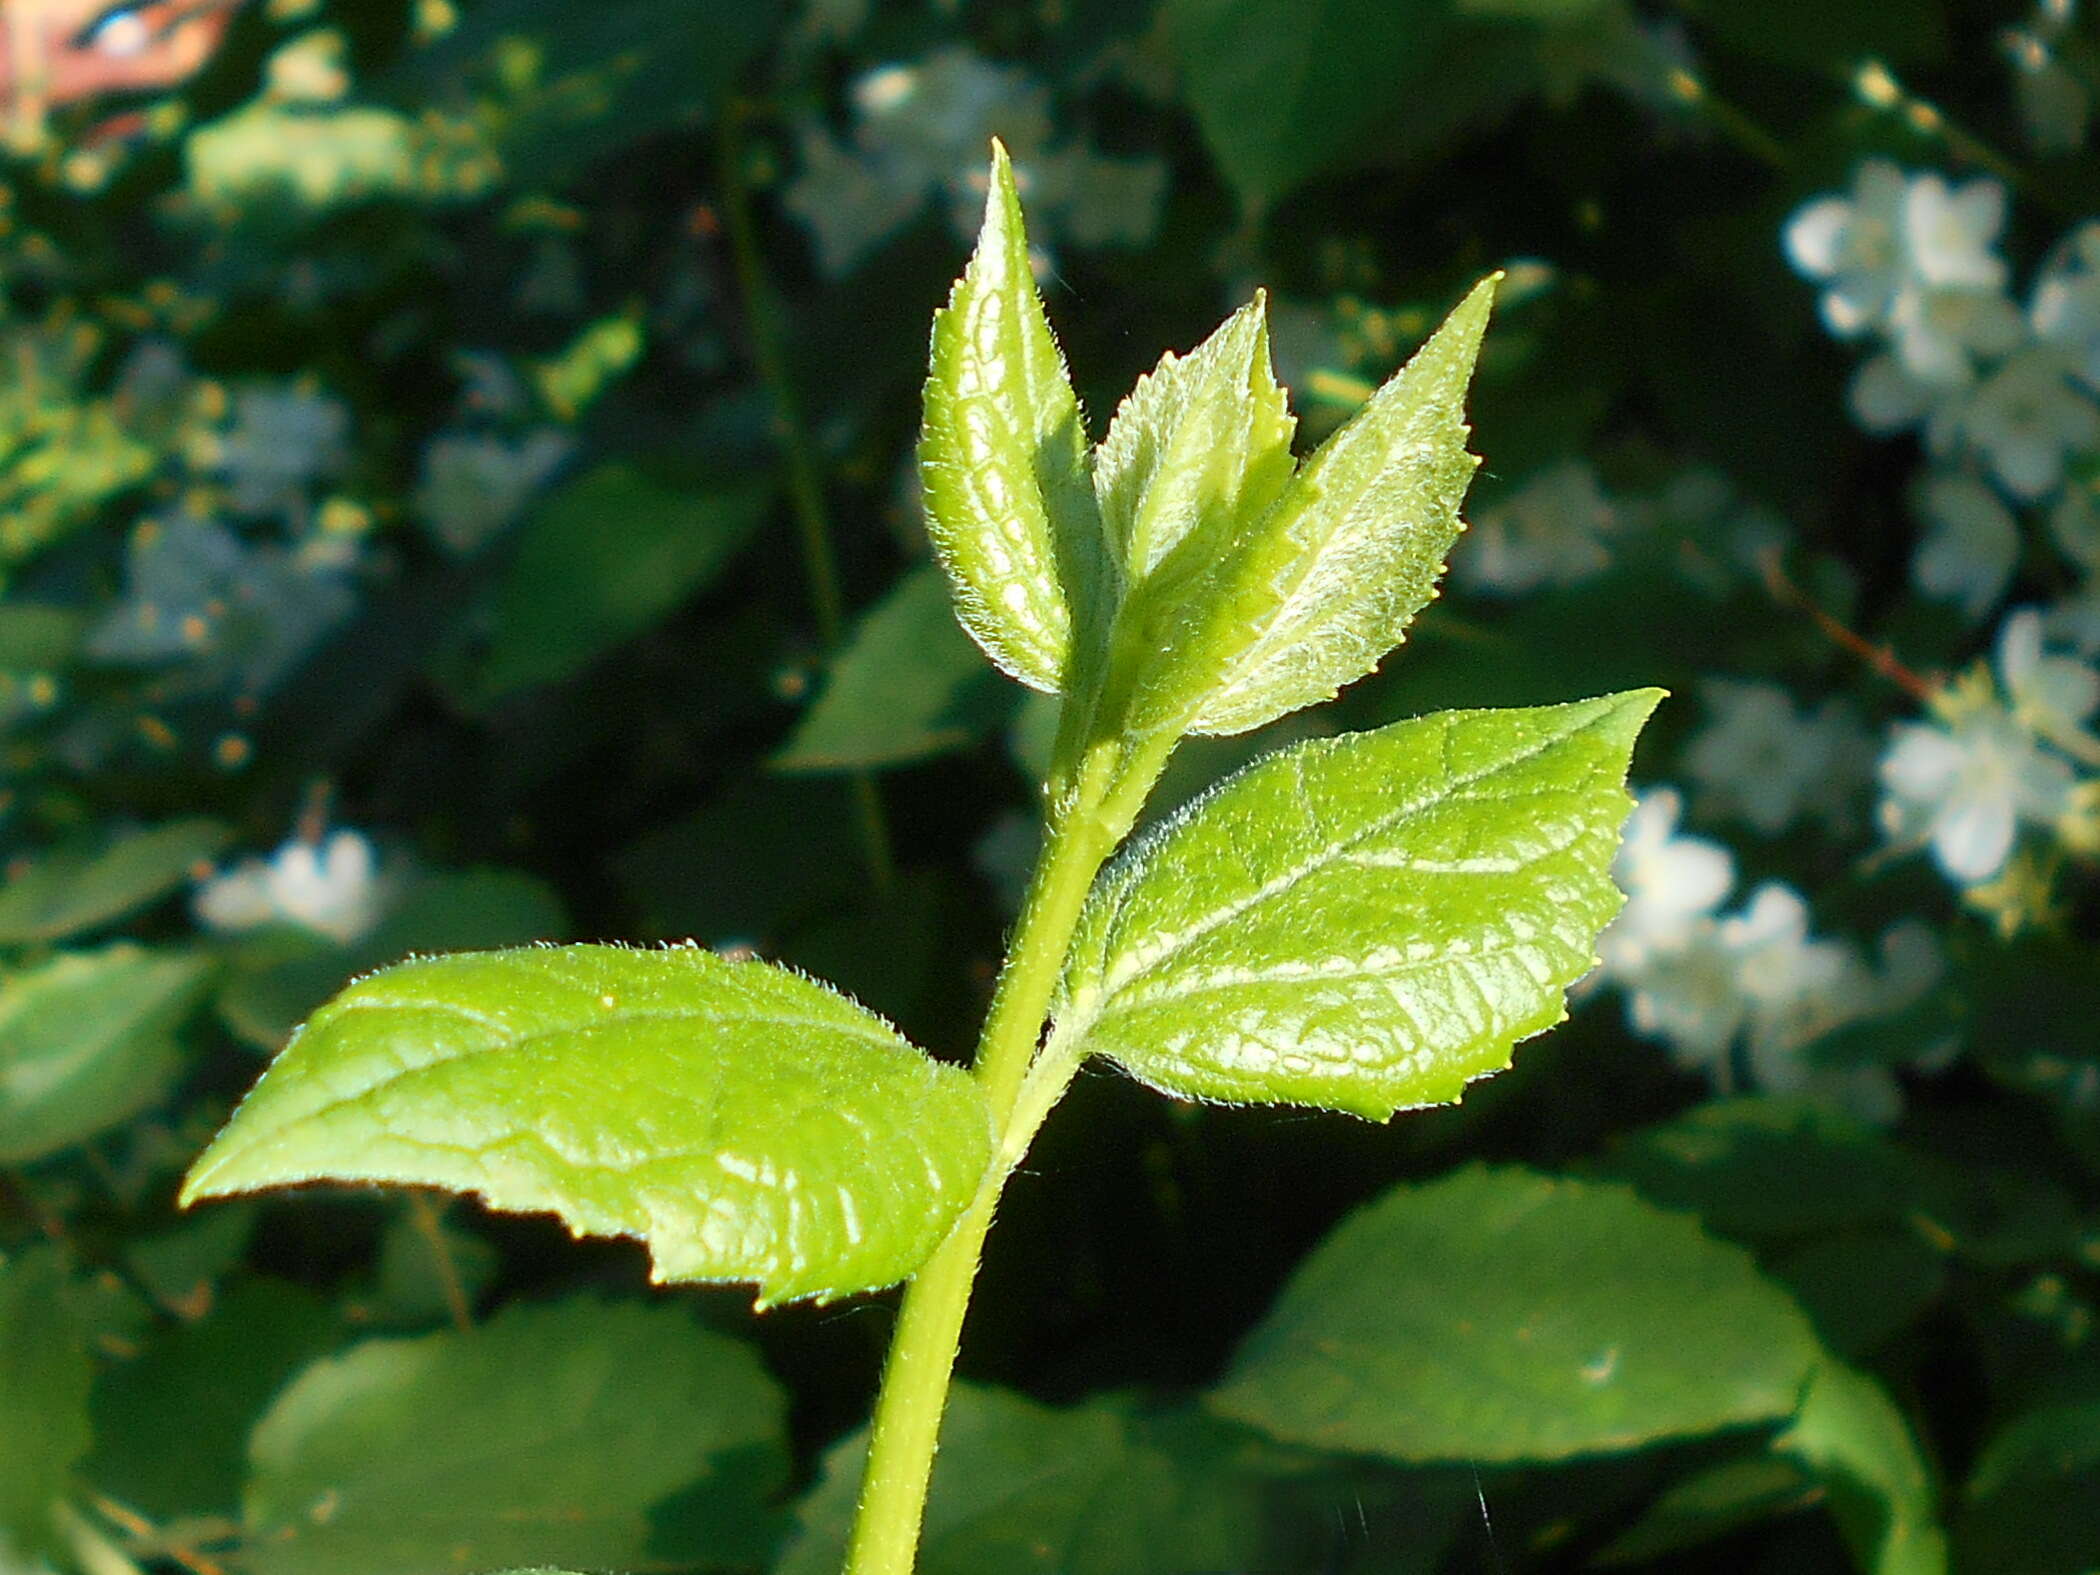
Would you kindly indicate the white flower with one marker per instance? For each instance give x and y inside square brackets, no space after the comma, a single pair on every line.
[282,440]
[1886,399]
[2075,523]
[1940,334]
[332,888]
[2053,695]
[2065,310]
[1550,531]
[1672,884]
[1964,785]
[475,484]
[1690,999]
[1855,245]
[1970,546]
[1759,759]
[2025,419]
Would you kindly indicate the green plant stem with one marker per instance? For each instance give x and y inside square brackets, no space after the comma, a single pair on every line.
[805,481]
[1021,1088]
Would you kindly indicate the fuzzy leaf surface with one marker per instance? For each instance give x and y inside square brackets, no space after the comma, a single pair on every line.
[1003,458]
[1353,549]
[547,1432]
[1362,923]
[1502,1315]
[745,1122]
[1202,443]
[87,1042]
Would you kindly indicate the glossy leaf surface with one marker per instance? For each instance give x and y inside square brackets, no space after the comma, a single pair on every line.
[1003,458]
[746,1123]
[87,1041]
[1497,1314]
[1330,580]
[1109,1493]
[547,1433]
[71,890]
[907,685]
[1362,923]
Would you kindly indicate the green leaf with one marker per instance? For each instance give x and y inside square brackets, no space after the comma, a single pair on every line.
[1363,923]
[1197,452]
[205,1383]
[2033,1501]
[745,1122]
[1015,1479]
[546,1433]
[1861,1287]
[75,889]
[87,1042]
[1769,1167]
[44,1379]
[1713,1503]
[278,978]
[1500,1315]
[1327,585]
[1881,1490]
[1003,459]
[907,685]
[602,560]
[1284,91]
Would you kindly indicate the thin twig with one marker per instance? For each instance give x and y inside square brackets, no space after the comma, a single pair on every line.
[424,1216]
[804,477]
[1881,658]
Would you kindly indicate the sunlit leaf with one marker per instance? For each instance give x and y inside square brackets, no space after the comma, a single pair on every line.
[1003,459]
[745,1122]
[1850,1434]
[1501,1315]
[1364,923]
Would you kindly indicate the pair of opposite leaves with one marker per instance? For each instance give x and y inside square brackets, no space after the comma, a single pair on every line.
[1362,923]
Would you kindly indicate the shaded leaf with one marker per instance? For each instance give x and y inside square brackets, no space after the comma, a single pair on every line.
[1850,1434]
[1712,1503]
[2033,1501]
[44,1378]
[1362,923]
[1282,92]
[907,684]
[71,890]
[601,560]
[1016,1480]
[87,1041]
[745,1122]
[1003,459]
[1501,1315]
[546,1433]
[204,1383]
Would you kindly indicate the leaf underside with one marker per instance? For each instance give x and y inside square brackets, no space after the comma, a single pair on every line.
[746,1123]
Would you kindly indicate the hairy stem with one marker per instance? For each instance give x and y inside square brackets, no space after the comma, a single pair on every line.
[1022,1088]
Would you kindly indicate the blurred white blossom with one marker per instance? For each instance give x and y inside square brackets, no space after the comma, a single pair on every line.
[1758,759]
[1673,884]
[2065,310]
[2054,696]
[475,484]
[283,438]
[1970,545]
[923,130]
[1964,783]
[333,888]
[2025,420]
[1550,531]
